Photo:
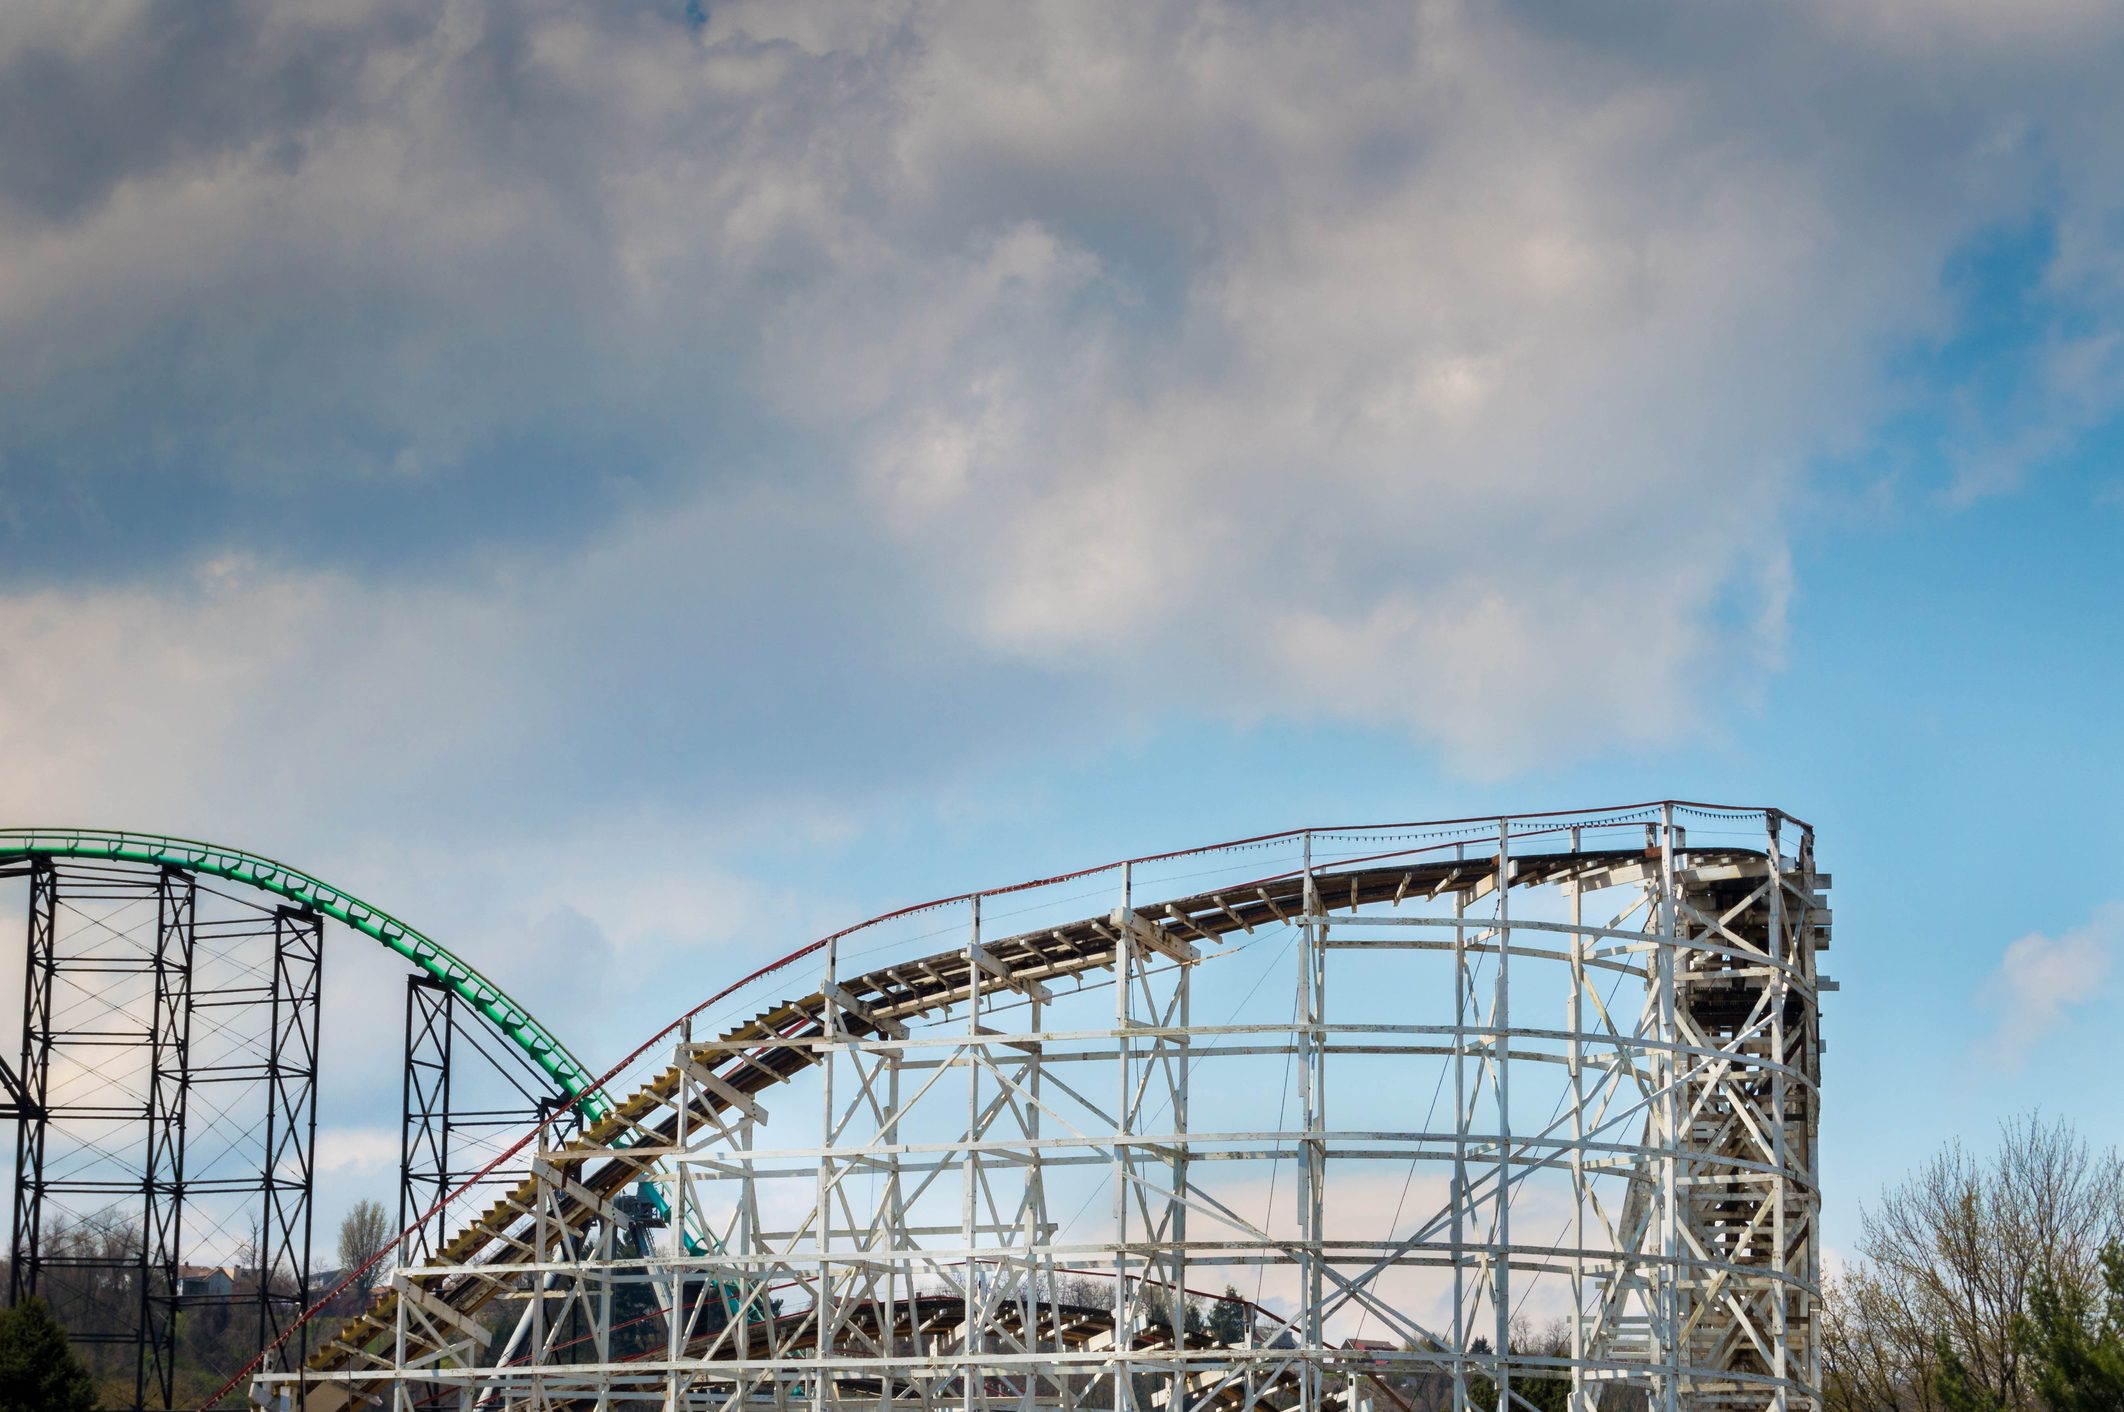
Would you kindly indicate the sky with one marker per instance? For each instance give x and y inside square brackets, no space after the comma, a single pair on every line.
[630,489]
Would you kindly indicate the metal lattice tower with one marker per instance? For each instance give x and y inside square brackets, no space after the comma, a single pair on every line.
[165,1107]
[170,1052]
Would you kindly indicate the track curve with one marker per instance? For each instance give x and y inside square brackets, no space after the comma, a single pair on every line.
[508,1018]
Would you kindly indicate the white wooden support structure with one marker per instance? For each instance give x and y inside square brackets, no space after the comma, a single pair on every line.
[1411,1091]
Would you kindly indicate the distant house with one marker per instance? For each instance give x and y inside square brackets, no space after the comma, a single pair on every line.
[214,1281]
[323,1282]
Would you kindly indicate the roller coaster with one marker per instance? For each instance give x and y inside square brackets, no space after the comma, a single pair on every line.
[1462,1114]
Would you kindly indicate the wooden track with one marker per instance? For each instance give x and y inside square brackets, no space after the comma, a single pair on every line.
[758,1054]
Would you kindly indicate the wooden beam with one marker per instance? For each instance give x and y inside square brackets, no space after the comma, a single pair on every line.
[438,1311]
[1147,932]
[840,997]
[730,1093]
[986,960]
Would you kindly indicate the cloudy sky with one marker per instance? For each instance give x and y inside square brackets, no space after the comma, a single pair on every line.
[652,483]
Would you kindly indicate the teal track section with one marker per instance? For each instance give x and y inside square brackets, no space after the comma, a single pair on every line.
[508,1019]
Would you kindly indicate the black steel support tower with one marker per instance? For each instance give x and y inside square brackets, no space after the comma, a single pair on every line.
[291,1125]
[169,1089]
[465,1096]
[105,1014]
[168,1099]
[24,1250]
[424,1127]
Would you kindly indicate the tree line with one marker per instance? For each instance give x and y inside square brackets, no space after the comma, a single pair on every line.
[1990,1283]
[1982,1283]
[50,1356]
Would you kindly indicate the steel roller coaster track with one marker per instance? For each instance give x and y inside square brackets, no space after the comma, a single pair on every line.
[508,1018]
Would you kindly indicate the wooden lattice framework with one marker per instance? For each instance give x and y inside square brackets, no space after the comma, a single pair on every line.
[992,1174]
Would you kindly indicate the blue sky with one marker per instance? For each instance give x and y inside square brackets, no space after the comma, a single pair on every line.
[656,487]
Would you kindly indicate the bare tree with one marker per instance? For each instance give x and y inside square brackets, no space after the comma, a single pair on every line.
[1083,1291]
[364,1231]
[1877,1354]
[92,1282]
[1949,1258]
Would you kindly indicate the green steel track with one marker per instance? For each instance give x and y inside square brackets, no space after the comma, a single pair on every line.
[509,1019]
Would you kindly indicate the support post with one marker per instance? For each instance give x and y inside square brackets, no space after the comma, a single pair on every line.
[1780,983]
[1581,1396]
[1463,989]
[288,1176]
[1312,1106]
[424,1115]
[39,963]
[1669,1107]
[169,1085]
[1501,1080]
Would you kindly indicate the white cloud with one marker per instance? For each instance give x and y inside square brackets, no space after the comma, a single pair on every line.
[2042,979]
[367,1152]
[1440,368]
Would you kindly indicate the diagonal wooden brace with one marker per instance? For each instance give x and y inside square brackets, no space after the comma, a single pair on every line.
[437,1311]
[732,1096]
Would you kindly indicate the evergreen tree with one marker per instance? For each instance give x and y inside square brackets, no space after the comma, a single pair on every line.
[39,1371]
[1958,1389]
[2073,1347]
[1227,1321]
[2077,1348]
[1544,1391]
